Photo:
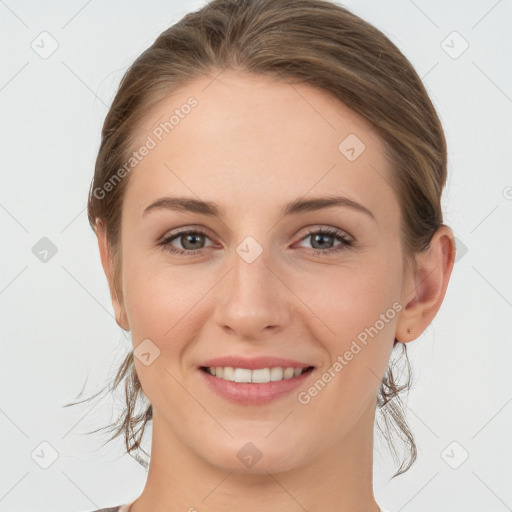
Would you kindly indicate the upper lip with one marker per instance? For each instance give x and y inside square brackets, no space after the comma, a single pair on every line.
[254,363]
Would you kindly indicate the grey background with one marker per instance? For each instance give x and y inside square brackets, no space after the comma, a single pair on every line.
[56,320]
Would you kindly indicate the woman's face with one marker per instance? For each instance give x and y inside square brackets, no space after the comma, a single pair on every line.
[255,284]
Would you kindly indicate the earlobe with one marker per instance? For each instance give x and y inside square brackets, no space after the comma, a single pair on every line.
[108,268]
[425,290]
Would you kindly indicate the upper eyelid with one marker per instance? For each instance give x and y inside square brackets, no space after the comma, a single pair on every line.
[185,230]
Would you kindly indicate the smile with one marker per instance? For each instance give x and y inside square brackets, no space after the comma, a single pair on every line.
[257,376]
[254,387]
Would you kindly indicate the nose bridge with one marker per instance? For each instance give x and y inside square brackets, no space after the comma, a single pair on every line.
[250,274]
[252,281]
[251,298]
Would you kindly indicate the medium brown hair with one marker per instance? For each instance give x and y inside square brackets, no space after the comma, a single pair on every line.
[314,42]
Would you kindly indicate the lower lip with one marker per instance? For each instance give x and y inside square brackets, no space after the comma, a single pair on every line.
[253,394]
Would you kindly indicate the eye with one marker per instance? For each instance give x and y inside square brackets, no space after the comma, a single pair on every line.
[324,238]
[191,241]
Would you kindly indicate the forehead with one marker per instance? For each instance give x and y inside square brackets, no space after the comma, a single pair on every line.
[257,141]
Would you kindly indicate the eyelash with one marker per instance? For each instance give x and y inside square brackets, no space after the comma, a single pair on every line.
[346,243]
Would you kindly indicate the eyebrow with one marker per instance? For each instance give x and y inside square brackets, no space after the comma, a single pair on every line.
[293,207]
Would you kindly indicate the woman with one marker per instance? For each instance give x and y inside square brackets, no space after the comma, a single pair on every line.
[267,202]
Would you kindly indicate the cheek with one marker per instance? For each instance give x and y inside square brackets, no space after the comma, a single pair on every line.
[348,299]
[355,326]
[356,308]
[163,303]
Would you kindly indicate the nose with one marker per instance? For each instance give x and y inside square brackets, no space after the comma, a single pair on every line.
[252,301]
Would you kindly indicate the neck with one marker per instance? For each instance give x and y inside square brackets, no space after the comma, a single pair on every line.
[339,480]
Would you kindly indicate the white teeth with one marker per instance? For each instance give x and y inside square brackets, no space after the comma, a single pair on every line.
[276,373]
[242,375]
[228,373]
[288,373]
[261,375]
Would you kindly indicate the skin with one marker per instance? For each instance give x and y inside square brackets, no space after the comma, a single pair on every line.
[251,145]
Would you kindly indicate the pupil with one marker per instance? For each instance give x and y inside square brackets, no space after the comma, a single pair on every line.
[316,237]
[191,237]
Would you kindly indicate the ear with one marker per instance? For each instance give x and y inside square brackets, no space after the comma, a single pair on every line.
[108,267]
[424,289]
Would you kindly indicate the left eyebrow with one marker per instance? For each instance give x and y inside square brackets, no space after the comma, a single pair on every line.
[293,207]
[307,205]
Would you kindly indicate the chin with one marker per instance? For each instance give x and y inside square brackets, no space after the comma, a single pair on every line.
[260,456]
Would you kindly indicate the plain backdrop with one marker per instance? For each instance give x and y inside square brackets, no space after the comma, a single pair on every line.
[56,319]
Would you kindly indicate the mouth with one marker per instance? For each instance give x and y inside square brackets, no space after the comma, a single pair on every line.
[257,386]
[256,376]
